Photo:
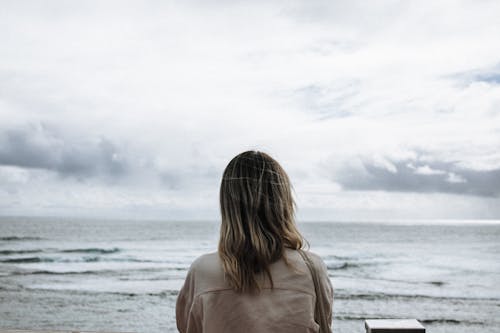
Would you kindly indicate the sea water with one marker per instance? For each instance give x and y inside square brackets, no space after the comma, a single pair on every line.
[119,275]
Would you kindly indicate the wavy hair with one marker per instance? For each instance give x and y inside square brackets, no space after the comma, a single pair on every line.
[258,219]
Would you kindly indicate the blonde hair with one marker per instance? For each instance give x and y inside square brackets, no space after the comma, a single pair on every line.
[258,219]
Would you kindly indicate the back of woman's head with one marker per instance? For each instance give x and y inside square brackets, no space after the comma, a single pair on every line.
[257,212]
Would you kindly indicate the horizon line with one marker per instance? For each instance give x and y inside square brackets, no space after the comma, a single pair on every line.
[401,221]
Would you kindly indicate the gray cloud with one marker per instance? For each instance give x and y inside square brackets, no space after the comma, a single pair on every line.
[489,75]
[42,147]
[46,147]
[418,176]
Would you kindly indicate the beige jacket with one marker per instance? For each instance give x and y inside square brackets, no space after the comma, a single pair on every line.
[207,304]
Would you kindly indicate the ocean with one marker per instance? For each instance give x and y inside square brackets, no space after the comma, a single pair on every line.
[124,275]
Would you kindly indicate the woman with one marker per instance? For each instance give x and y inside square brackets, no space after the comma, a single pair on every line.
[258,281]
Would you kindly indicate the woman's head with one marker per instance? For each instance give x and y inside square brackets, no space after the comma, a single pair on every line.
[257,212]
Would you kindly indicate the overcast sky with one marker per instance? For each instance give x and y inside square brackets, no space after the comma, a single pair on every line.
[376,109]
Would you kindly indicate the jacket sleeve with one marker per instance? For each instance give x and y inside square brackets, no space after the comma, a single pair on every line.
[327,288]
[186,308]
[327,283]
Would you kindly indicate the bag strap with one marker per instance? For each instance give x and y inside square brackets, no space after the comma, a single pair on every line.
[320,315]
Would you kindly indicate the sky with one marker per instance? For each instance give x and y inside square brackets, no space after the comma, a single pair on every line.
[378,110]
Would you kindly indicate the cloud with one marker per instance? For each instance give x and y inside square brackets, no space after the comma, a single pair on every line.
[40,147]
[327,101]
[489,77]
[425,170]
[489,74]
[190,177]
[414,175]
[47,148]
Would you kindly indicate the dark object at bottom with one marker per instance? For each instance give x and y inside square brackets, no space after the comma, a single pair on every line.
[393,326]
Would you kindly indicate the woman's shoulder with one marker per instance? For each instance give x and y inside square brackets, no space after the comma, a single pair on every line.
[205,260]
[207,273]
[207,264]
